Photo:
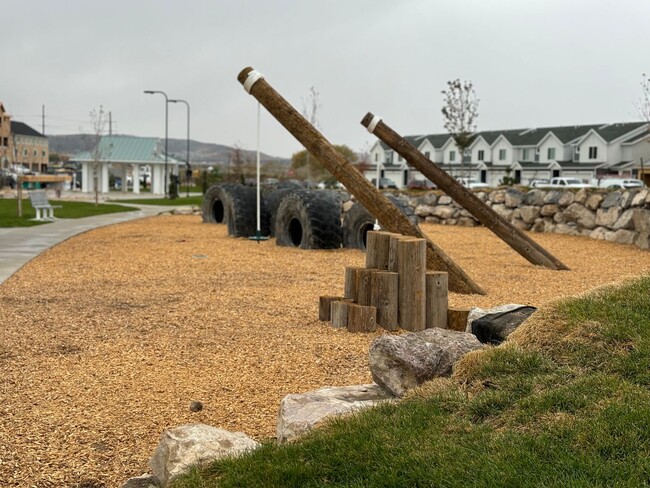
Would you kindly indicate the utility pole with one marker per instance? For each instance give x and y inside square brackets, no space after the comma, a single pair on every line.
[110,123]
[43,119]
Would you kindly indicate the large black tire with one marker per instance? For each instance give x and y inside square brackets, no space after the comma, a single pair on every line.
[272,196]
[217,204]
[309,220]
[236,206]
[358,221]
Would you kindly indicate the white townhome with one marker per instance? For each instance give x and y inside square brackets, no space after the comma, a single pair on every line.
[584,151]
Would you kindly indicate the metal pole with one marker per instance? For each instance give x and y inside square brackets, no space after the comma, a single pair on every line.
[151,92]
[187,161]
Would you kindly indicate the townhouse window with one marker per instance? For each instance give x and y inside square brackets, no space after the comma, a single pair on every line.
[452,155]
[481,154]
[526,155]
[593,152]
[550,153]
[35,152]
[427,155]
[43,153]
[5,142]
[576,153]
[376,157]
[24,152]
[502,154]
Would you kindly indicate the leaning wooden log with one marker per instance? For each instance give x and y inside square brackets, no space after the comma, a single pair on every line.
[389,216]
[514,237]
[411,267]
[385,297]
[364,285]
[350,286]
[457,318]
[324,307]
[339,314]
[361,319]
[437,299]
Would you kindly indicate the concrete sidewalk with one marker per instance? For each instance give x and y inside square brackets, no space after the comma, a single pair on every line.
[18,245]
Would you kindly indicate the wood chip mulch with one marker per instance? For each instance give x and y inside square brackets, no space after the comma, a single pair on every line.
[107,338]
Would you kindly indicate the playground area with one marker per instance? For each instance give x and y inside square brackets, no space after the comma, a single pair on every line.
[107,338]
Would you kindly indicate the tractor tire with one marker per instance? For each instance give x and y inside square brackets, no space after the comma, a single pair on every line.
[358,221]
[272,196]
[217,204]
[236,206]
[309,220]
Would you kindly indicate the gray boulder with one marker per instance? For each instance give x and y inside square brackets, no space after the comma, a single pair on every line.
[622,236]
[580,215]
[529,213]
[625,221]
[534,197]
[513,198]
[181,447]
[444,212]
[613,199]
[641,219]
[143,481]
[566,199]
[399,363]
[498,196]
[593,201]
[640,197]
[552,197]
[445,200]
[607,217]
[424,210]
[299,413]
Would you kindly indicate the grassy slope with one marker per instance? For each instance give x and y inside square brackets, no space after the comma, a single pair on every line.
[564,403]
[68,210]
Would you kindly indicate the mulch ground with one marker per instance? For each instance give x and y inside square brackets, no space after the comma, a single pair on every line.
[107,338]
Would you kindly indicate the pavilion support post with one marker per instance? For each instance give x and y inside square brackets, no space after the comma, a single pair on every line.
[512,236]
[371,198]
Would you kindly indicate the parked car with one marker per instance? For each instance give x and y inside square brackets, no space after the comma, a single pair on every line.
[384,183]
[539,182]
[472,183]
[619,183]
[420,185]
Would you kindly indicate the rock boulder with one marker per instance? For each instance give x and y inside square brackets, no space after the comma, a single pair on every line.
[399,363]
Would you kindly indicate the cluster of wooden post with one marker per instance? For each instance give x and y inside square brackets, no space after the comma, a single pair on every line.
[393,290]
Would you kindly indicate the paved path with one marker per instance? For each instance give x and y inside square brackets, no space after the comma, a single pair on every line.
[18,245]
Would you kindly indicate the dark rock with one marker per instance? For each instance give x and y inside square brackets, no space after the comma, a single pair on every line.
[494,328]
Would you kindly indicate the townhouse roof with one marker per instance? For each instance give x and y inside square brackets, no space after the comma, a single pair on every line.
[125,149]
[579,166]
[23,129]
[534,165]
[533,136]
[639,137]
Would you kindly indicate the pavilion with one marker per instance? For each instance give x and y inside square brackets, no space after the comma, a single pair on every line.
[123,156]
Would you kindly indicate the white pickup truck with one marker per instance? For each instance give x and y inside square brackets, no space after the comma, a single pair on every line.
[564,183]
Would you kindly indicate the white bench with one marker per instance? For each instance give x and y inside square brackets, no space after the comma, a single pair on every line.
[39,201]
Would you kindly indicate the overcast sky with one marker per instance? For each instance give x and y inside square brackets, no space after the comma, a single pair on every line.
[533,63]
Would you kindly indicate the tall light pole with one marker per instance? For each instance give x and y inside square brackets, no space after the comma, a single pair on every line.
[151,92]
[187,161]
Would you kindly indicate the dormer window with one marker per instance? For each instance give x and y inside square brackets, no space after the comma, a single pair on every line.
[481,155]
[452,155]
[526,155]
[593,152]
[550,153]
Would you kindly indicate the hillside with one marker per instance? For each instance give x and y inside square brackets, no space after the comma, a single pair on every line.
[199,151]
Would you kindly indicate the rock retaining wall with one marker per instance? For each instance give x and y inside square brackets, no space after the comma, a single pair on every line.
[616,216]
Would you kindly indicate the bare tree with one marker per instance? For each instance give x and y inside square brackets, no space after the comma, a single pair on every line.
[98,121]
[310,107]
[643,107]
[460,111]
[240,162]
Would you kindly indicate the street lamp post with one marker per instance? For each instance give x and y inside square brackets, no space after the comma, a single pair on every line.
[151,92]
[187,161]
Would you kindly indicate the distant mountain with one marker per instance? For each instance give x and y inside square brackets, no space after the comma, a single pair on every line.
[200,152]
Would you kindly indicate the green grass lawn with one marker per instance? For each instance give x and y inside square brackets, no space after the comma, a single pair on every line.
[177,202]
[69,210]
[564,403]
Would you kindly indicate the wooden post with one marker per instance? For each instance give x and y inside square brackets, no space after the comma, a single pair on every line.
[514,237]
[392,252]
[457,318]
[339,314]
[324,305]
[361,319]
[437,299]
[385,298]
[378,249]
[19,194]
[350,287]
[411,267]
[389,216]
[372,240]
[364,285]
